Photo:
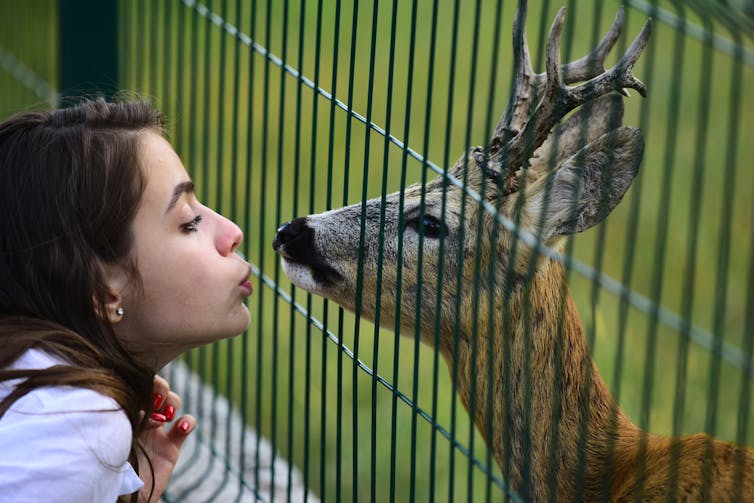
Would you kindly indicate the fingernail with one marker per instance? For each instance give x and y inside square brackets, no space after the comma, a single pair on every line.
[184,426]
[158,417]
[169,412]
[156,401]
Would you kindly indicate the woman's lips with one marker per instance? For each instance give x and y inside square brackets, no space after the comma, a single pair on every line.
[245,283]
[246,288]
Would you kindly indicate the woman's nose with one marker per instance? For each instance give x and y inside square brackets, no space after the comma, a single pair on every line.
[229,236]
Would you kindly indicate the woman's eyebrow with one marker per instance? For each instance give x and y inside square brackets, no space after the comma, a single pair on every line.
[180,189]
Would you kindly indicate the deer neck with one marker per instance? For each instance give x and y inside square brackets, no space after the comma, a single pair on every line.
[535,394]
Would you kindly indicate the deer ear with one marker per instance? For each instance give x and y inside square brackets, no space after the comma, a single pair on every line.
[585,188]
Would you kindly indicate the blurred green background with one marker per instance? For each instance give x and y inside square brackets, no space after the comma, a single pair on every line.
[248,87]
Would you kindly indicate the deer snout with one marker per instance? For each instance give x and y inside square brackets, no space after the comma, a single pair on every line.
[294,239]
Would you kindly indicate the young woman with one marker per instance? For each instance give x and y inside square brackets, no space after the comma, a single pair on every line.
[109,268]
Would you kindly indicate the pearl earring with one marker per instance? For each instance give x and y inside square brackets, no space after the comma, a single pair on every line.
[120,311]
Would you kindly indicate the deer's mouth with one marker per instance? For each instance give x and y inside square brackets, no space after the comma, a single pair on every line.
[302,262]
[303,272]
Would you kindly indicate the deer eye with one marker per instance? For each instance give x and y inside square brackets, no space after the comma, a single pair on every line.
[433,228]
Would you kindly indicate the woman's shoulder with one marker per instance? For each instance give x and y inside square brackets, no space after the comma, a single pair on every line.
[74,415]
[73,440]
[60,398]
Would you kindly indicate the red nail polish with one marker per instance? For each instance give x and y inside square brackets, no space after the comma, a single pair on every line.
[156,416]
[184,426]
[156,401]
[169,412]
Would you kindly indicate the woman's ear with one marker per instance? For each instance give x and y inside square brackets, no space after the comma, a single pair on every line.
[116,280]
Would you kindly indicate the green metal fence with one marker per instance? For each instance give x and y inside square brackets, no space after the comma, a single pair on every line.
[284,108]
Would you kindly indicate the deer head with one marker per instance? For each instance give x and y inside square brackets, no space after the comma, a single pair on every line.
[552,175]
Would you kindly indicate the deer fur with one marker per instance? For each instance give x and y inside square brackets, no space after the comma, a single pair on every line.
[499,312]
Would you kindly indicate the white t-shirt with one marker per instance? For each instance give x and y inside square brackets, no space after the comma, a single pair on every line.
[63,443]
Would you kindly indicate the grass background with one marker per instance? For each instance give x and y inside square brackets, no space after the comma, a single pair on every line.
[264,147]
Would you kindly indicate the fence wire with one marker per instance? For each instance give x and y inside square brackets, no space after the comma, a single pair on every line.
[281,109]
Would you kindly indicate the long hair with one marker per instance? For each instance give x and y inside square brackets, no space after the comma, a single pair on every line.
[70,187]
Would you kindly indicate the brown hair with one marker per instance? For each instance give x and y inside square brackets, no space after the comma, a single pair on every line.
[70,186]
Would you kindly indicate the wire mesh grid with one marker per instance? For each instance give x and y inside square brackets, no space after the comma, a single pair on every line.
[281,109]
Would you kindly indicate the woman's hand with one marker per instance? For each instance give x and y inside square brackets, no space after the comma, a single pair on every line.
[162,443]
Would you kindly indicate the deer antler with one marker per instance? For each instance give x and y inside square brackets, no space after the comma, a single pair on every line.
[520,131]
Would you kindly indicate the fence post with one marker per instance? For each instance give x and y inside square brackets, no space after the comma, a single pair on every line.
[87,48]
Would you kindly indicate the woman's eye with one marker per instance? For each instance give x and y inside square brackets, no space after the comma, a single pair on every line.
[191,226]
[431,226]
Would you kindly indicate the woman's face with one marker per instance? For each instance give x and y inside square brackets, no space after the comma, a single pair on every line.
[193,283]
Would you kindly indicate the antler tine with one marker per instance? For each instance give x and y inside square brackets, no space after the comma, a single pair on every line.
[523,95]
[617,78]
[552,54]
[593,63]
[517,111]
[629,59]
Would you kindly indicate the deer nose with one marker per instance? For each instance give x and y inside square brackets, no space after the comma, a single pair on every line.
[292,232]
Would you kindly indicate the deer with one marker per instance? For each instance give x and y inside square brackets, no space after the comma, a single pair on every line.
[496,307]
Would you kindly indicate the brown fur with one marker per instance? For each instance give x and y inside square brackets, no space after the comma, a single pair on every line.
[620,463]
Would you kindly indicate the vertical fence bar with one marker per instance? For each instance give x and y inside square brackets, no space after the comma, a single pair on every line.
[695,209]
[744,400]
[295,204]
[477,260]
[155,54]
[394,405]
[420,265]
[88,48]
[220,198]
[312,170]
[281,147]
[489,125]
[346,176]
[125,42]
[236,179]
[328,205]
[246,350]
[661,246]
[631,238]
[440,279]
[169,84]
[262,245]
[234,215]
